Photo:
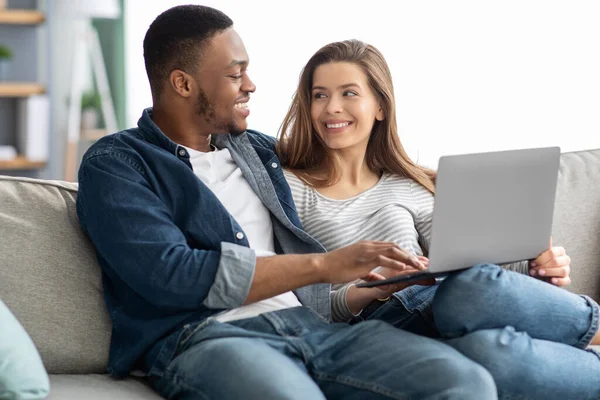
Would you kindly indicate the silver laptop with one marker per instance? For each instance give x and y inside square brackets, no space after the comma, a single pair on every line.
[493,207]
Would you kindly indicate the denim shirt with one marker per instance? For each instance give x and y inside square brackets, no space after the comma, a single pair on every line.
[170,252]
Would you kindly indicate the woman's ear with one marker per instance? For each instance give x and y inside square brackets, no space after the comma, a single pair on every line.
[380,116]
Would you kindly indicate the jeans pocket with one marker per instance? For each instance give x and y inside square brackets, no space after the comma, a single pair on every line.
[416,297]
[188,331]
[169,349]
[393,312]
[410,310]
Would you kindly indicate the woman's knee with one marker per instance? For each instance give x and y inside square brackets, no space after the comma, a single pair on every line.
[468,281]
[460,304]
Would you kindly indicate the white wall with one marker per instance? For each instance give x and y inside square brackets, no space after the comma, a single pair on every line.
[469,75]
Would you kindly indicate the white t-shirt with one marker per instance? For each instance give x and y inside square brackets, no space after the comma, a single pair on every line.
[218,171]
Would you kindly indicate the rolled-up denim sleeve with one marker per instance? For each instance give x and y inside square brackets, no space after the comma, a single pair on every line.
[234,277]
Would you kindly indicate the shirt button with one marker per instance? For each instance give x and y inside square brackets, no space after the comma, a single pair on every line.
[274,165]
[182,153]
[239,235]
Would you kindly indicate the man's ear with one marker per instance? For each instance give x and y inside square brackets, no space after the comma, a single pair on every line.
[181,82]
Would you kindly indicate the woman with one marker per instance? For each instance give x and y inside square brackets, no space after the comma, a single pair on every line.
[351,179]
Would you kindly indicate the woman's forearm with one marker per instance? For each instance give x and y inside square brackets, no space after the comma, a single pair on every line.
[359,298]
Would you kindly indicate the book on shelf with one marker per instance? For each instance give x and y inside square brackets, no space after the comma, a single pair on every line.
[7,153]
[33,125]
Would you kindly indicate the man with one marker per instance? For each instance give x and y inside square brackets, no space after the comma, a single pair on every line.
[214,290]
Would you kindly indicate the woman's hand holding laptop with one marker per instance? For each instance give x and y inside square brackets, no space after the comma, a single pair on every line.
[553,266]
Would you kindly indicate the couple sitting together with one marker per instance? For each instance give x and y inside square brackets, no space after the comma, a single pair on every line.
[230,259]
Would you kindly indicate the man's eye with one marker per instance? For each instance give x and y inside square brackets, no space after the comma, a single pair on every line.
[236,76]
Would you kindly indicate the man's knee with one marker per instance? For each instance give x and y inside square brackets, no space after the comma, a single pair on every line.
[260,371]
[463,379]
[500,351]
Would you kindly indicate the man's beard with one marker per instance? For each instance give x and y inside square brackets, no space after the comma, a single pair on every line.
[206,110]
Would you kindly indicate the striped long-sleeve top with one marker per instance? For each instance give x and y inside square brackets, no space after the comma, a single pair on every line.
[396,209]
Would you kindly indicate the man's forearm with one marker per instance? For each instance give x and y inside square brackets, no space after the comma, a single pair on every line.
[275,275]
[279,274]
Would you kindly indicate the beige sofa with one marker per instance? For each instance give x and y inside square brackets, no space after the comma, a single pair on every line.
[49,277]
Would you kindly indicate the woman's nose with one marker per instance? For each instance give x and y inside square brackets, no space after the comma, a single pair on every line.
[334,106]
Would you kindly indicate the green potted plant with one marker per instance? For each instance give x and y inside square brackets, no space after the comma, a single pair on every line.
[90,109]
[5,59]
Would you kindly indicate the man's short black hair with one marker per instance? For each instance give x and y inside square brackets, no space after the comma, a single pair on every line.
[176,39]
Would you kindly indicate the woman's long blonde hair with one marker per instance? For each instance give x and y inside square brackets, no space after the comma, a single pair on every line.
[302,150]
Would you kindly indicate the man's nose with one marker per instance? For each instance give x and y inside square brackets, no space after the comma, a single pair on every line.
[248,85]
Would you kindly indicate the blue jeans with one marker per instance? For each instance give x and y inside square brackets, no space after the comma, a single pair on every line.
[409,310]
[531,336]
[295,354]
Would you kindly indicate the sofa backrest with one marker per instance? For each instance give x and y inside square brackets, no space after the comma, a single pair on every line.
[576,224]
[49,276]
[50,279]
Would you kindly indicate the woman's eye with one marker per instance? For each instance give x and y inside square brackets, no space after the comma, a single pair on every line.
[320,95]
[236,76]
[350,93]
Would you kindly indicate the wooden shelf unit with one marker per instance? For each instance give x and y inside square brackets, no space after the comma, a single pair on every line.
[21,17]
[20,89]
[21,163]
[9,89]
[93,134]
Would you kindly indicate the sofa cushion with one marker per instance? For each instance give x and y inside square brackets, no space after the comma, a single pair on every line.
[49,276]
[98,387]
[576,224]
